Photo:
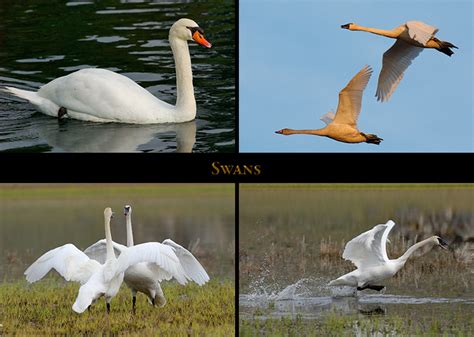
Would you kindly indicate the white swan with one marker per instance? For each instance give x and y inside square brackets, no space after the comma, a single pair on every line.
[103,279]
[342,126]
[411,37]
[368,252]
[146,277]
[100,95]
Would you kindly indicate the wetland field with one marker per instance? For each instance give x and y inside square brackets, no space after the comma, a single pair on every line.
[35,218]
[291,242]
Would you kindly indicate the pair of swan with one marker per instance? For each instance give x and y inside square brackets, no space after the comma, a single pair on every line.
[369,254]
[100,95]
[411,38]
[143,266]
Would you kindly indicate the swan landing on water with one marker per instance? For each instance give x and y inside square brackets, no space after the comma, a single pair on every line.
[368,252]
[100,95]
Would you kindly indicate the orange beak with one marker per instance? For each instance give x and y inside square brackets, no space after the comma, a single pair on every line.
[199,38]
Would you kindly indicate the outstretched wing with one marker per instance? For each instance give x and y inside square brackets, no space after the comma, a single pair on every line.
[350,98]
[395,61]
[162,256]
[191,265]
[67,260]
[98,251]
[369,248]
[420,32]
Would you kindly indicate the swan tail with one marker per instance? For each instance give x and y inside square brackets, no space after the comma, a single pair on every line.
[444,47]
[30,96]
[371,139]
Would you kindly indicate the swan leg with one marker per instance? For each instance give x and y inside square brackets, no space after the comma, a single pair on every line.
[369,286]
[108,307]
[134,299]
[62,112]
[89,308]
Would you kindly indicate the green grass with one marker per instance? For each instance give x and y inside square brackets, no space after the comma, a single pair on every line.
[45,309]
[333,324]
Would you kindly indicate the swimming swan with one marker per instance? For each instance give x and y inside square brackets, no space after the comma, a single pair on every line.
[103,279]
[100,95]
[368,252]
[411,37]
[343,125]
[146,277]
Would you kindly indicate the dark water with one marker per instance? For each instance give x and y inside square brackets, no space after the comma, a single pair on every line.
[43,40]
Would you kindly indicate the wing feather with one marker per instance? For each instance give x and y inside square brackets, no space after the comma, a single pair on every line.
[350,98]
[420,31]
[369,248]
[395,61]
[190,264]
[67,260]
[153,252]
[98,251]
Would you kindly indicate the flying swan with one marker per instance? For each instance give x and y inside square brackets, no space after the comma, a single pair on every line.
[368,252]
[411,38]
[146,277]
[343,125]
[100,95]
[103,279]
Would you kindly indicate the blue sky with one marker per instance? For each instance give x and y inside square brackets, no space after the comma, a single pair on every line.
[294,59]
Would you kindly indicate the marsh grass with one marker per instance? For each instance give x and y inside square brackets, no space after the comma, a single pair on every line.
[454,323]
[45,309]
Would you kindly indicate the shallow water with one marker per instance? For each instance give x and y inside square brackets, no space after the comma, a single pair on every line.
[35,218]
[41,40]
[292,237]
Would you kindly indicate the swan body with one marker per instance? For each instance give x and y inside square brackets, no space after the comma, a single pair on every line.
[102,279]
[146,277]
[412,37]
[368,252]
[100,95]
[342,126]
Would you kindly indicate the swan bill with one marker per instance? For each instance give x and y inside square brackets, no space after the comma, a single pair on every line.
[443,244]
[346,26]
[199,38]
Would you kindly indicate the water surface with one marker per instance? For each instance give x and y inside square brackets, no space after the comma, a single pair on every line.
[43,40]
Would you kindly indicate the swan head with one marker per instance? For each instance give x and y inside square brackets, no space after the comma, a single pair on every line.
[440,242]
[349,26]
[187,29]
[108,214]
[284,131]
[127,210]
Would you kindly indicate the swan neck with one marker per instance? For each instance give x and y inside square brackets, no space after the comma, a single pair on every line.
[383,32]
[129,231]
[402,259]
[108,240]
[185,101]
[317,132]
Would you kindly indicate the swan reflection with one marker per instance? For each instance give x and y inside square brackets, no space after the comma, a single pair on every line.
[75,136]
